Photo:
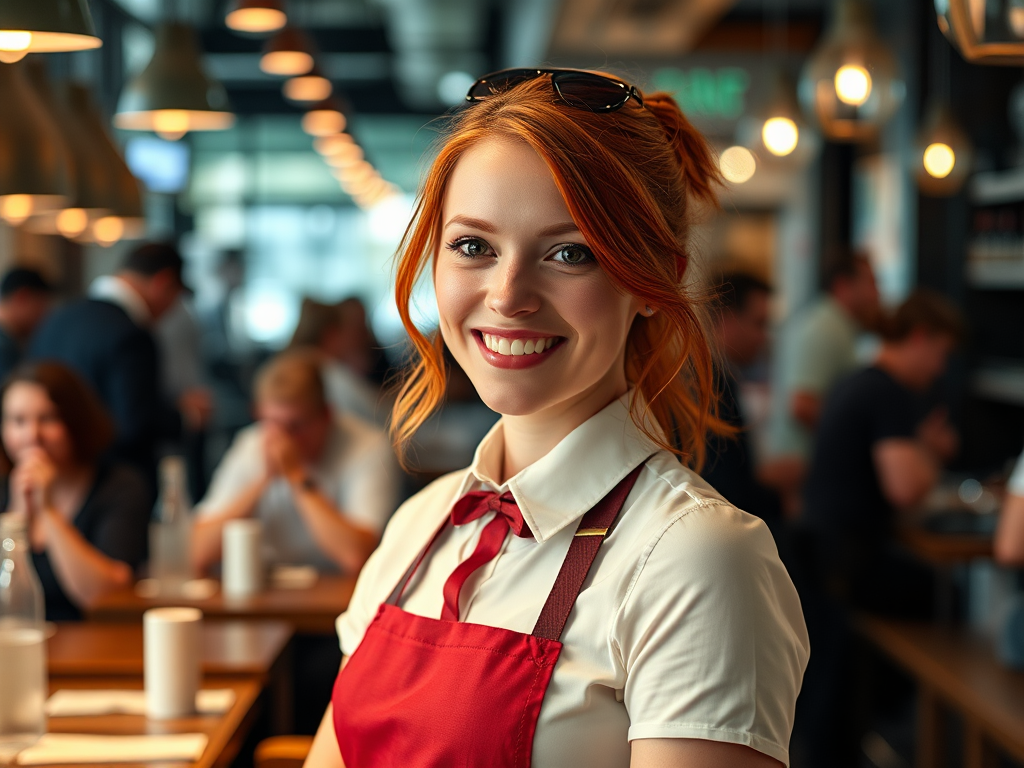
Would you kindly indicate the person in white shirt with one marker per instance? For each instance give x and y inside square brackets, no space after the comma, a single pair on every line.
[323,483]
[633,617]
[1009,540]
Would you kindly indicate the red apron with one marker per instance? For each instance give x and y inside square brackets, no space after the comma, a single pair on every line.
[428,693]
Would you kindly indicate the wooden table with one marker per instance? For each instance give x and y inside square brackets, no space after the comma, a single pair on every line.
[956,671]
[257,650]
[226,732]
[310,611]
[945,549]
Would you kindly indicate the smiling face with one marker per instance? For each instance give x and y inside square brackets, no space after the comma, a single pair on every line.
[524,307]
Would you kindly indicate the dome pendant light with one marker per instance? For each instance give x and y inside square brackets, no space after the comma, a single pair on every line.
[44,26]
[777,132]
[256,16]
[851,84]
[943,152]
[984,31]
[34,168]
[288,53]
[173,95]
[324,119]
[308,88]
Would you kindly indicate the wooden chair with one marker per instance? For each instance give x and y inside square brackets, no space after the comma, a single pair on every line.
[282,752]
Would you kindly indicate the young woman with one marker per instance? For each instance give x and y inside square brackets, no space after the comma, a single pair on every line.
[87,519]
[632,617]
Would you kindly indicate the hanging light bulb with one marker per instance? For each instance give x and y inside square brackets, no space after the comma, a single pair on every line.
[71,222]
[45,26]
[944,153]
[326,145]
[325,119]
[287,53]
[173,95]
[851,84]
[737,164]
[780,135]
[775,130]
[256,16]
[108,230]
[344,156]
[35,174]
[984,31]
[307,88]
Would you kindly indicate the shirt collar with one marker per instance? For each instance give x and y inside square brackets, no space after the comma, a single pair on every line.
[598,454]
[113,289]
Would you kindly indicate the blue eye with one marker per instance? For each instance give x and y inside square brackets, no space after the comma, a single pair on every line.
[470,247]
[574,254]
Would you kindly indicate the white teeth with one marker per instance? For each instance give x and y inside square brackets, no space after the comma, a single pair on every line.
[517,347]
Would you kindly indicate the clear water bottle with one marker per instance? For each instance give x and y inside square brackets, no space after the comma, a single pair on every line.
[23,681]
[170,533]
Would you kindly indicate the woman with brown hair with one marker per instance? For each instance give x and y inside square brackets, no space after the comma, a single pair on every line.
[86,518]
[633,617]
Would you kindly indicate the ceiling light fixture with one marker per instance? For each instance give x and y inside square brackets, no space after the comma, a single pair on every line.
[45,26]
[256,16]
[287,53]
[984,31]
[325,119]
[737,164]
[307,88]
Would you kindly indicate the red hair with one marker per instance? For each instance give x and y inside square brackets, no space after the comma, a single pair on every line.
[628,179]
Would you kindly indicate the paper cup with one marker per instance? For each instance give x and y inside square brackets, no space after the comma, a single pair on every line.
[242,567]
[172,645]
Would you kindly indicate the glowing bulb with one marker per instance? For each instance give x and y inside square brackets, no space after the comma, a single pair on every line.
[323,122]
[308,88]
[170,124]
[326,145]
[286,63]
[14,44]
[780,135]
[71,222]
[737,164]
[939,160]
[853,84]
[108,230]
[256,20]
[14,209]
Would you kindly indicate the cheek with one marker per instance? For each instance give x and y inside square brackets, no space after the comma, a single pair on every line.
[456,298]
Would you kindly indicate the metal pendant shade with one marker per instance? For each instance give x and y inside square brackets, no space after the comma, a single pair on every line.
[34,169]
[256,16]
[984,31]
[288,53]
[45,26]
[173,95]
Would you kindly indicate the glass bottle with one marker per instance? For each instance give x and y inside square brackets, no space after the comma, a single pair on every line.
[170,533]
[23,681]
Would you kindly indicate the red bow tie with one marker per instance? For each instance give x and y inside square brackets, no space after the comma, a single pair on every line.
[470,507]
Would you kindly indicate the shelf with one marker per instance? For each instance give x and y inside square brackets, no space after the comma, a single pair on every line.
[1002,381]
[1000,275]
[999,187]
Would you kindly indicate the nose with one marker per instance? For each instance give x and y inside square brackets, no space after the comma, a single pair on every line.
[512,290]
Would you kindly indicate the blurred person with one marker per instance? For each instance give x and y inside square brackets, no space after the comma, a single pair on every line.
[323,483]
[817,348]
[878,453]
[87,518]
[1009,539]
[740,331]
[25,298]
[337,337]
[108,339]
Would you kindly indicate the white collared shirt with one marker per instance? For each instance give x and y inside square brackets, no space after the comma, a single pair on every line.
[688,625]
[113,289]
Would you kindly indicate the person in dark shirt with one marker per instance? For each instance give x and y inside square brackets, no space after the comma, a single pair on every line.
[741,331]
[25,298]
[86,519]
[107,339]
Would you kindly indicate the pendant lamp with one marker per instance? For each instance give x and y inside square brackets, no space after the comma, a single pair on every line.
[307,88]
[126,218]
[44,26]
[776,131]
[173,95]
[34,168]
[851,84]
[288,53]
[943,153]
[326,145]
[92,183]
[984,31]
[256,16]
[324,119]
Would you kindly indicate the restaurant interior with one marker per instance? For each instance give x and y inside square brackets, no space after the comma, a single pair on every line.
[237,176]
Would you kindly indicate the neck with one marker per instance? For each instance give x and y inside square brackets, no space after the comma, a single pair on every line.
[7,322]
[531,437]
[896,365]
[135,285]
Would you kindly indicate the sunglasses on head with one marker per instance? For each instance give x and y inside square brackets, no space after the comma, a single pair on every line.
[574,87]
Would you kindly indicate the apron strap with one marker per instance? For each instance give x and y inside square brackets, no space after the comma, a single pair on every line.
[592,530]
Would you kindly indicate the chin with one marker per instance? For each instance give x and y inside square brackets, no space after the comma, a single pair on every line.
[509,400]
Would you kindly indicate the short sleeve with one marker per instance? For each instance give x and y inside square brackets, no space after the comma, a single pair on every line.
[240,467]
[1016,482]
[893,412]
[712,635]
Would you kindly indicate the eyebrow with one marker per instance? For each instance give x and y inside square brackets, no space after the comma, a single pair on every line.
[554,230]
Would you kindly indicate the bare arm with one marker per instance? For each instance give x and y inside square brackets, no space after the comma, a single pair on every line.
[325,753]
[1009,541]
[907,471]
[347,544]
[84,572]
[208,530]
[805,407]
[695,753]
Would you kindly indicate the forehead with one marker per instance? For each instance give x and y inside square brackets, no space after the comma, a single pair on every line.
[26,393]
[505,182]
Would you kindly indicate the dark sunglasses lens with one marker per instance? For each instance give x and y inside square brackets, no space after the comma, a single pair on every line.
[499,83]
[586,91]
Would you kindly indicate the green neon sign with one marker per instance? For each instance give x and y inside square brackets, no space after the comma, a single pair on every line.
[715,93]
